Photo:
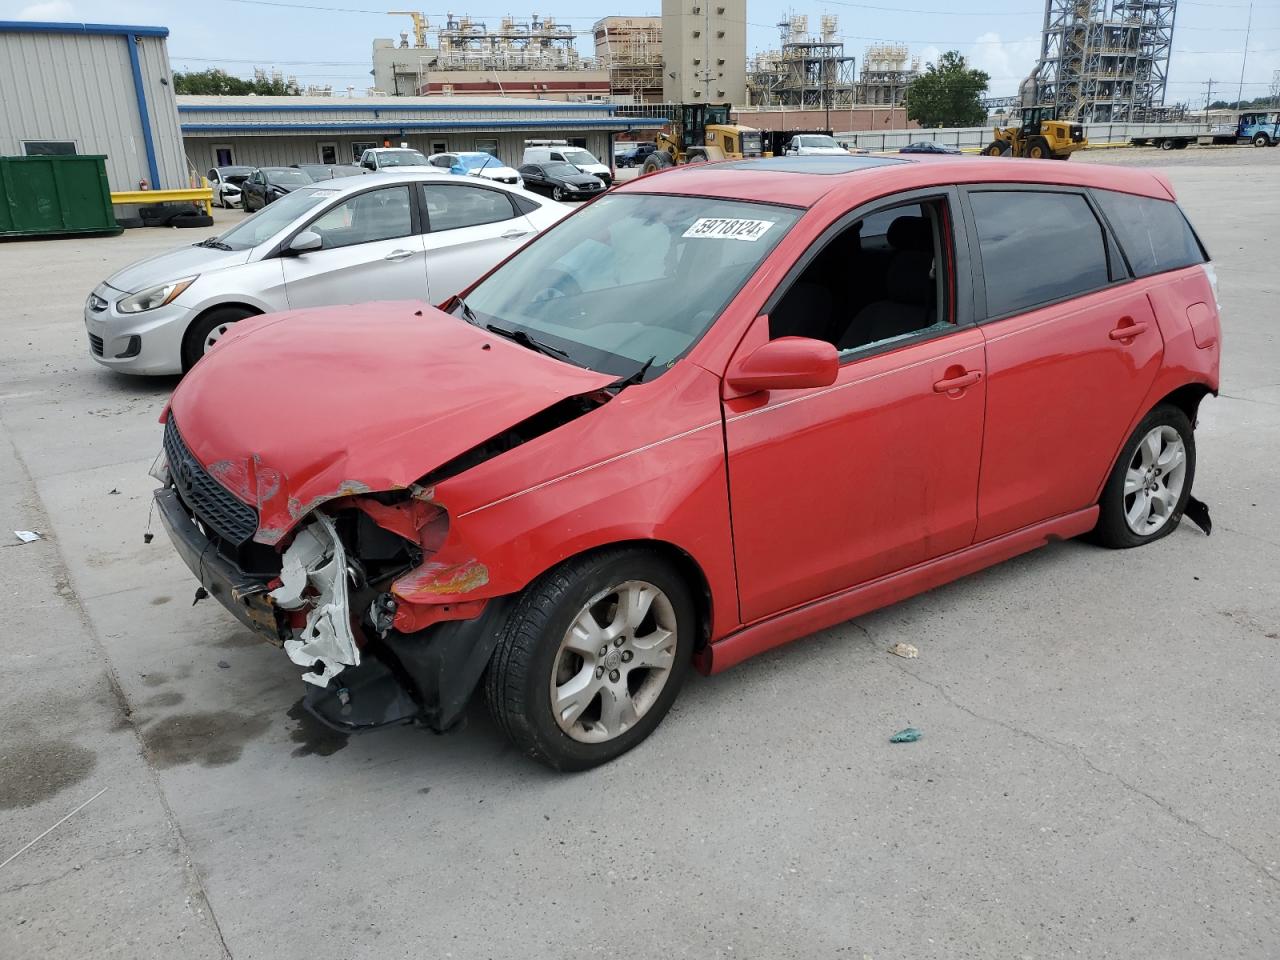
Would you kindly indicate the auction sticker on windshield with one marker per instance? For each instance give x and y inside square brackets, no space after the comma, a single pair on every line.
[723,228]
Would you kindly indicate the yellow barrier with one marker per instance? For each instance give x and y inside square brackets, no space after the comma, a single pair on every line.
[201,195]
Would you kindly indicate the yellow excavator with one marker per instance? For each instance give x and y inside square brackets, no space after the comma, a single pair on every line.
[702,133]
[1041,136]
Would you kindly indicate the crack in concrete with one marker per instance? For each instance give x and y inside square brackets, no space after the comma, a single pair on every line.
[1071,751]
[71,596]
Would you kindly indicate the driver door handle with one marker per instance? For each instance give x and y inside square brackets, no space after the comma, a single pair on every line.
[958,382]
[398,255]
[515,234]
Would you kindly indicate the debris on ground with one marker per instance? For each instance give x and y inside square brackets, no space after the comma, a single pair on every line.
[905,650]
[1197,511]
[113,492]
[223,665]
[909,735]
[28,536]
[148,537]
[201,594]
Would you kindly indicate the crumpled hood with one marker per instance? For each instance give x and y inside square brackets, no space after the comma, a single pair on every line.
[293,409]
[174,265]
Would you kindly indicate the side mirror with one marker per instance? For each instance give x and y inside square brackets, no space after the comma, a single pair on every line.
[306,240]
[787,363]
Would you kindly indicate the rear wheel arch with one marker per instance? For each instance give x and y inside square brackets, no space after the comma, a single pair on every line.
[1186,398]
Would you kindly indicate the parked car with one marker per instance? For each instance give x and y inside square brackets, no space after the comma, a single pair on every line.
[583,159]
[876,375]
[561,181]
[929,146]
[635,154]
[478,164]
[395,159]
[328,171]
[418,237]
[268,184]
[225,183]
[815,145]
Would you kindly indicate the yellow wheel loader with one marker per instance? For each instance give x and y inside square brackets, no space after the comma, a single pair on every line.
[702,133]
[1041,136]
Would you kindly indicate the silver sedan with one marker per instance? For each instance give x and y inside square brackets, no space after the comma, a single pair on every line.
[378,237]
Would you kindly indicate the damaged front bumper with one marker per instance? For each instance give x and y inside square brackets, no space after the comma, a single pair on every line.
[426,677]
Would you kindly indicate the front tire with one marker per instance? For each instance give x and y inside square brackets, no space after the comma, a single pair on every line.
[997,148]
[592,658]
[206,330]
[1149,485]
[1168,144]
[557,194]
[1261,140]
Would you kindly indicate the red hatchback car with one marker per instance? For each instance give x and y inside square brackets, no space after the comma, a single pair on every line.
[713,411]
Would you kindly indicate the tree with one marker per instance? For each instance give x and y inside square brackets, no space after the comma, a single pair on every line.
[948,94]
[219,83]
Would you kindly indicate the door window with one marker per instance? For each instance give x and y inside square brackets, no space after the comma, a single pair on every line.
[358,148]
[445,160]
[223,156]
[365,218]
[1037,248]
[487,145]
[49,148]
[328,153]
[886,278]
[213,176]
[439,146]
[452,207]
[1154,233]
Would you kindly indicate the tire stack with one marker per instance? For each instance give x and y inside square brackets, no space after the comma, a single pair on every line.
[182,215]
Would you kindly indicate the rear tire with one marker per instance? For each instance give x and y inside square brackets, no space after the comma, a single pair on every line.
[211,324]
[1148,488]
[1167,144]
[605,707]
[1261,140]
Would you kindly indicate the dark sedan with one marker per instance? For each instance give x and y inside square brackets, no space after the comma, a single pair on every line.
[928,146]
[562,180]
[634,156]
[266,184]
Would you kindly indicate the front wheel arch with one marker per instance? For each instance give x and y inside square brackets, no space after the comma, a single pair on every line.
[188,352]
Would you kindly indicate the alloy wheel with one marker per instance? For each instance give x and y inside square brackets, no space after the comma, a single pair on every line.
[1153,482]
[614,661]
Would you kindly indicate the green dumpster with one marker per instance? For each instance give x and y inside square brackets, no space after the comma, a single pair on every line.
[40,196]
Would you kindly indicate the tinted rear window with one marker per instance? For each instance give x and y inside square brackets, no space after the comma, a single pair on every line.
[1037,248]
[1154,233]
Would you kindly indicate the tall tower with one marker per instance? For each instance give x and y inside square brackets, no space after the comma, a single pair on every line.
[1103,59]
[704,51]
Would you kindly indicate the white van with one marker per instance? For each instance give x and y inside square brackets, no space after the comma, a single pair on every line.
[544,151]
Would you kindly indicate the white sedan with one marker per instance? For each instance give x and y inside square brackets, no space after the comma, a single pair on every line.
[380,237]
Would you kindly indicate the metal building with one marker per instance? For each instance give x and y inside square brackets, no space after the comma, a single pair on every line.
[1103,60]
[92,88]
[887,71]
[808,71]
[278,131]
[630,49]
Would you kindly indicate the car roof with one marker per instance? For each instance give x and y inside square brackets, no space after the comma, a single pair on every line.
[357,184]
[803,181]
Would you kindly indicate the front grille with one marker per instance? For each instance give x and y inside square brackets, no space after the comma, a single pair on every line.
[211,502]
[95,344]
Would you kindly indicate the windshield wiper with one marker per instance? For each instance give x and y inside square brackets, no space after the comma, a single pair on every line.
[633,378]
[213,242]
[522,338]
[468,314]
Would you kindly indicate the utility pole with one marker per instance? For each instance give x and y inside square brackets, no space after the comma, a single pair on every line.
[1208,97]
[1244,56]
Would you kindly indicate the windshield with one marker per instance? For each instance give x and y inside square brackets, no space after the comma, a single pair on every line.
[631,277]
[234,171]
[474,161]
[296,177]
[401,158]
[273,218]
[561,170]
[817,141]
[579,157]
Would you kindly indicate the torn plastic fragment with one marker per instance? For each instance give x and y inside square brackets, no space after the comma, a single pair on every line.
[906,650]
[909,735]
[1197,511]
[325,644]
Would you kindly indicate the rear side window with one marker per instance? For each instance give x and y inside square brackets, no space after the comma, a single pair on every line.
[1037,248]
[1154,233]
[451,207]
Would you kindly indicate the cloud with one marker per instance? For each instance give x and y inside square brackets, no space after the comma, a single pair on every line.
[50,10]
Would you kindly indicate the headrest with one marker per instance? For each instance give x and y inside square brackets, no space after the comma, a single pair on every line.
[911,233]
[909,278]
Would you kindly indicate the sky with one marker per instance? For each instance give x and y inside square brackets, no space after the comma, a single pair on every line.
[329,41]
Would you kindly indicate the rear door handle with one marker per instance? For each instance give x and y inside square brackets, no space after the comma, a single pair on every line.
[1127,329]
[958,382]
[515,234]
[398,255]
